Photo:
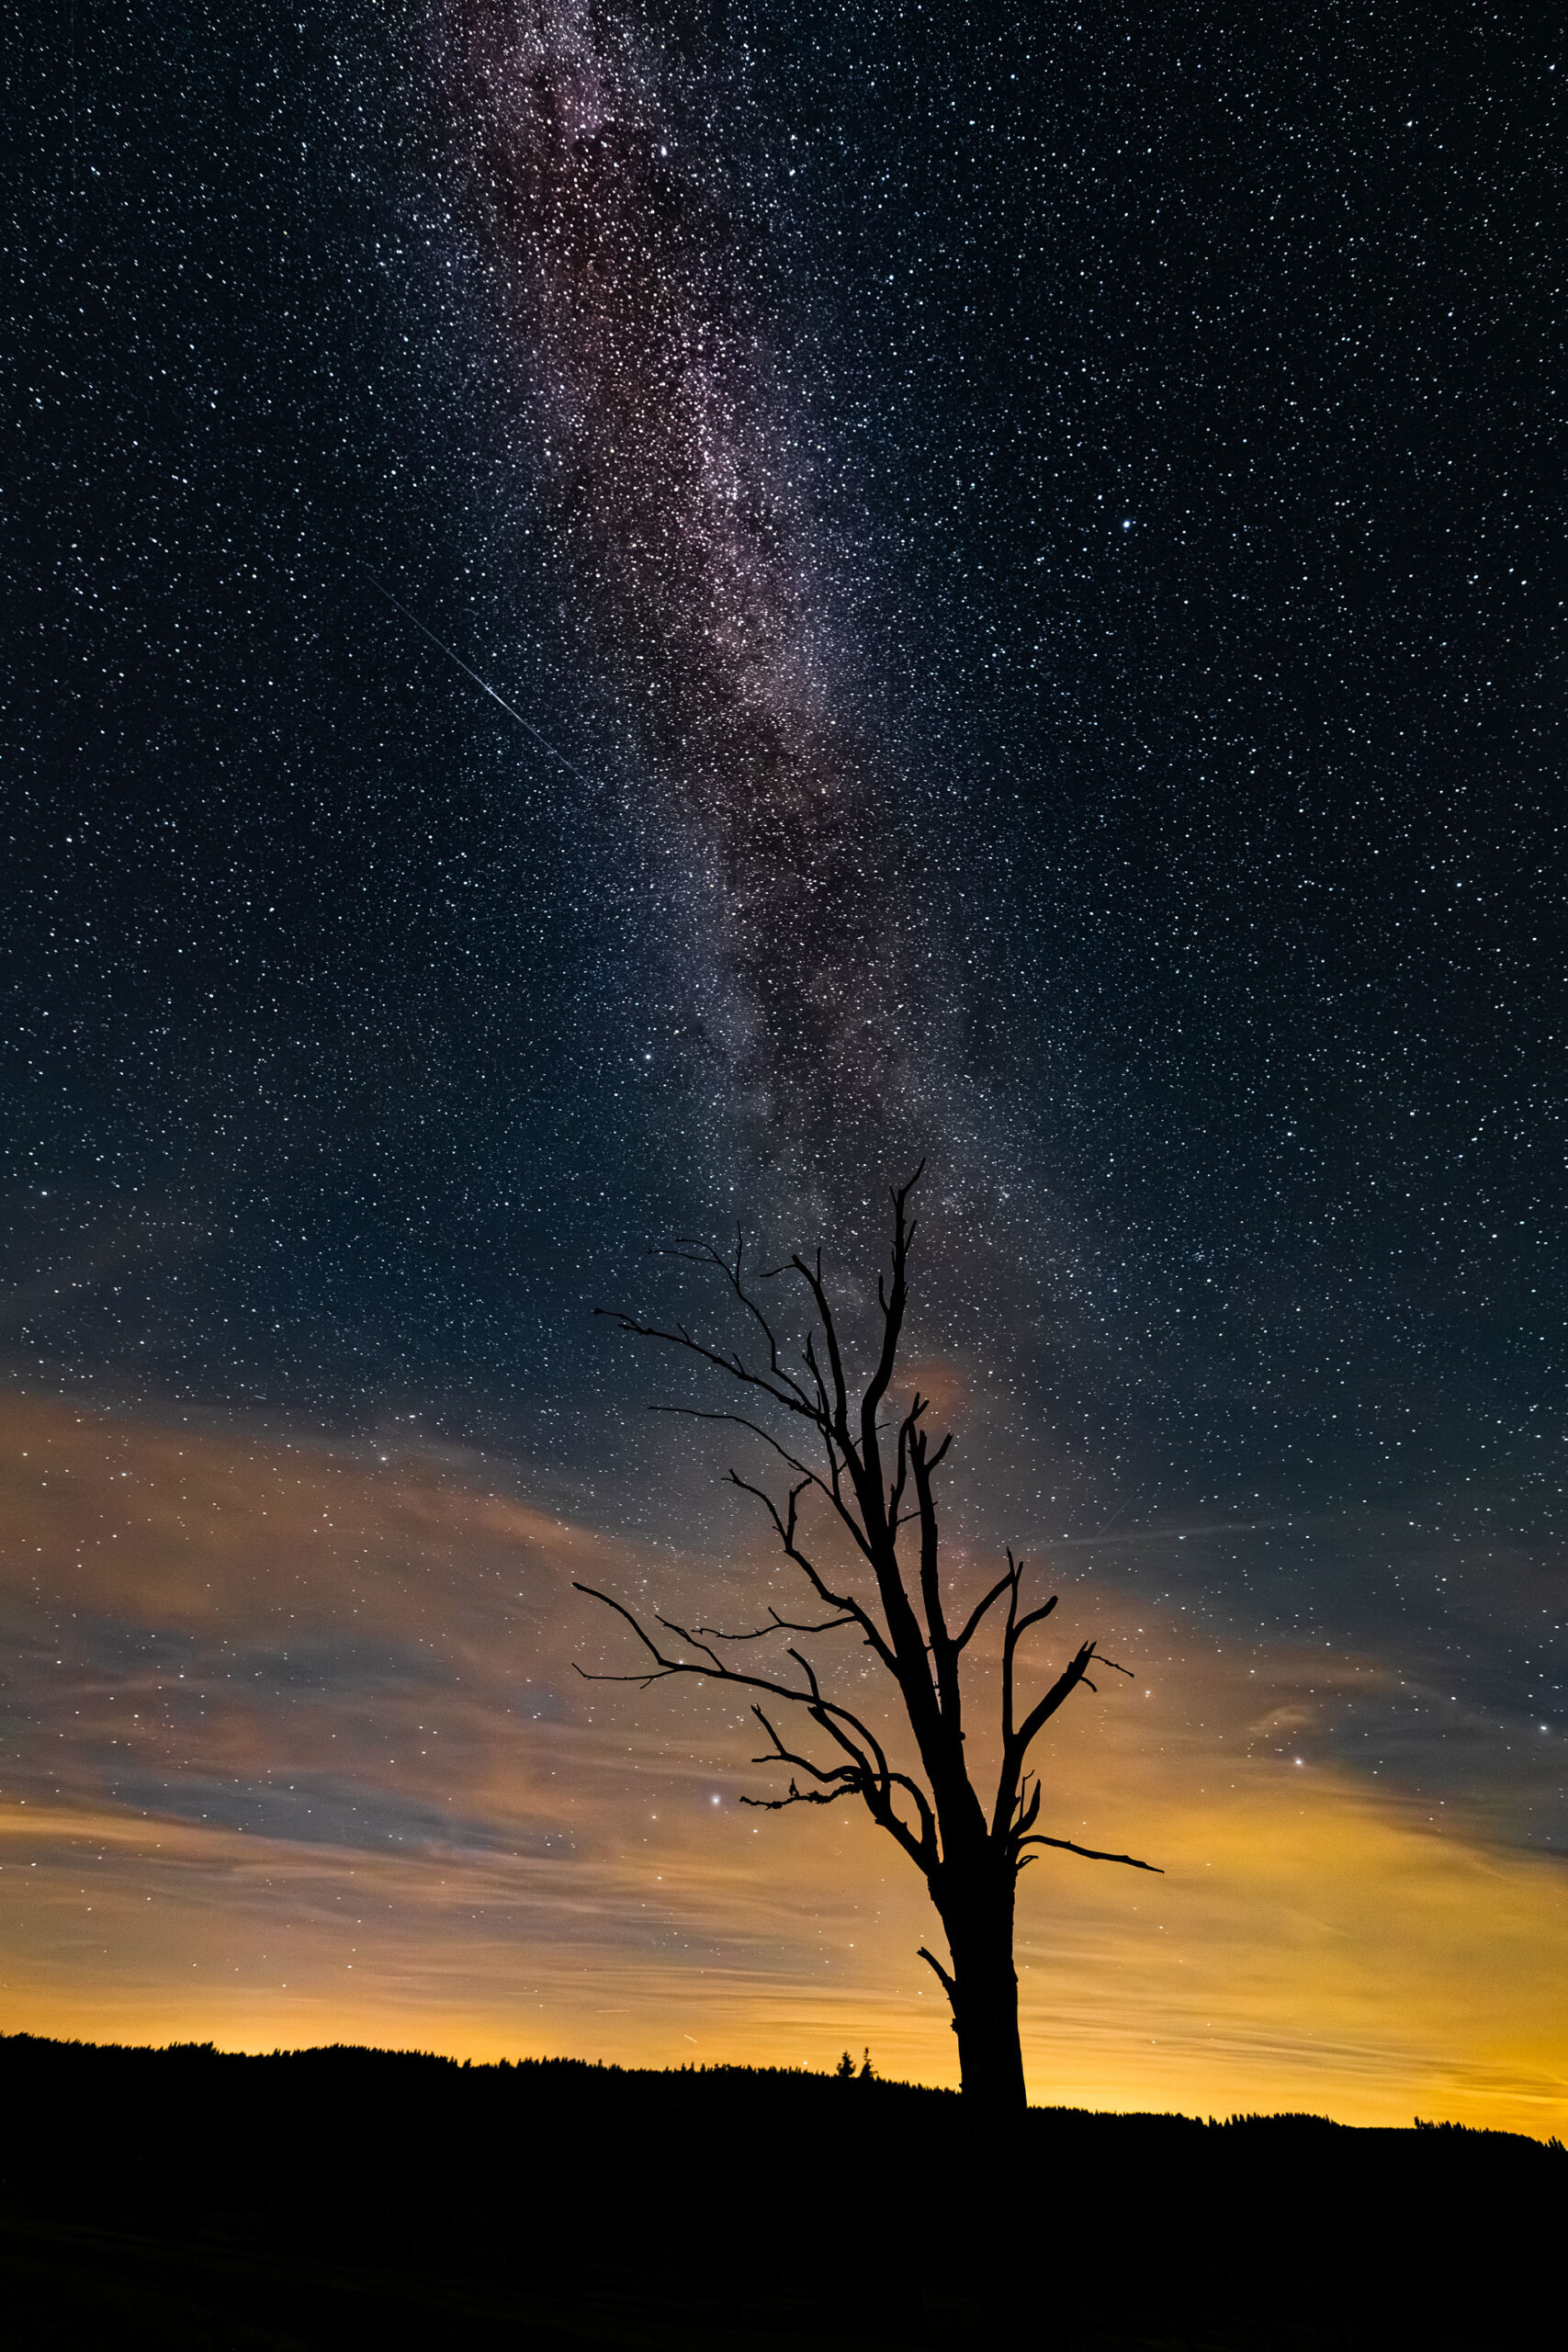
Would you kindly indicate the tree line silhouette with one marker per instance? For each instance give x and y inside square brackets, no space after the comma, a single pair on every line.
[350,2197]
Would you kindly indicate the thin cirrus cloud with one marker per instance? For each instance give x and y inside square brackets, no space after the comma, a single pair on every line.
[295,1754]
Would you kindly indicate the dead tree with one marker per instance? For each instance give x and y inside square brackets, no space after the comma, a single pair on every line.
[877,1479]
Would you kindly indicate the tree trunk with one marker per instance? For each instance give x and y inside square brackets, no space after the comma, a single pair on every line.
[984,2003]
[984,1993]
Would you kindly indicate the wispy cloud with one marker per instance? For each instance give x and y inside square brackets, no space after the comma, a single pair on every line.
[293,1750]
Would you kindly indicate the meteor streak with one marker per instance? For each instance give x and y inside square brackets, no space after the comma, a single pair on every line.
[484,685]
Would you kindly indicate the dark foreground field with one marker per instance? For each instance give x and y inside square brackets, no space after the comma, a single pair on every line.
[338,2197]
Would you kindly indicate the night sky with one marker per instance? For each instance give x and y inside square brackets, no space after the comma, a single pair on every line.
[630,618]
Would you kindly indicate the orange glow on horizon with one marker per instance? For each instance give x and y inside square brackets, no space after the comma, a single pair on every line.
[303,1760]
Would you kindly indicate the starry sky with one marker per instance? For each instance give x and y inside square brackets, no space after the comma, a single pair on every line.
[630,618]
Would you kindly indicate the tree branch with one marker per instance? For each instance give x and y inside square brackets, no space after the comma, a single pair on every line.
[893,1304]
[948,1985]
[1067,1682]
[786,1391]
[851,1775]
[978,1613]
[732,1275]
[740,1421]
[836,1419]
[1033,1618]
[787,1525]
[826,1712]
[1089,1854]
[797,1796]
[779,1625]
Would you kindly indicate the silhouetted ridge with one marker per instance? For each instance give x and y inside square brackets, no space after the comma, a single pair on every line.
[343,2195]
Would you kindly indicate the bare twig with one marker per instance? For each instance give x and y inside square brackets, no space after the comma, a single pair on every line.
[1091,1855]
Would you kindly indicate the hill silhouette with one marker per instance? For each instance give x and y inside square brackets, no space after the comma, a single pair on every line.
[346,2197]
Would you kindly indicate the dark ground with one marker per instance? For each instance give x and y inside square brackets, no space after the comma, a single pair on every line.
[345,2197]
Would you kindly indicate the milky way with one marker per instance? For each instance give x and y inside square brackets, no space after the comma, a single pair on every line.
[623,238]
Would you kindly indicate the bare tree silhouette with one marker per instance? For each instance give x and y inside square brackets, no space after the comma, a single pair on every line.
[877,1481]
